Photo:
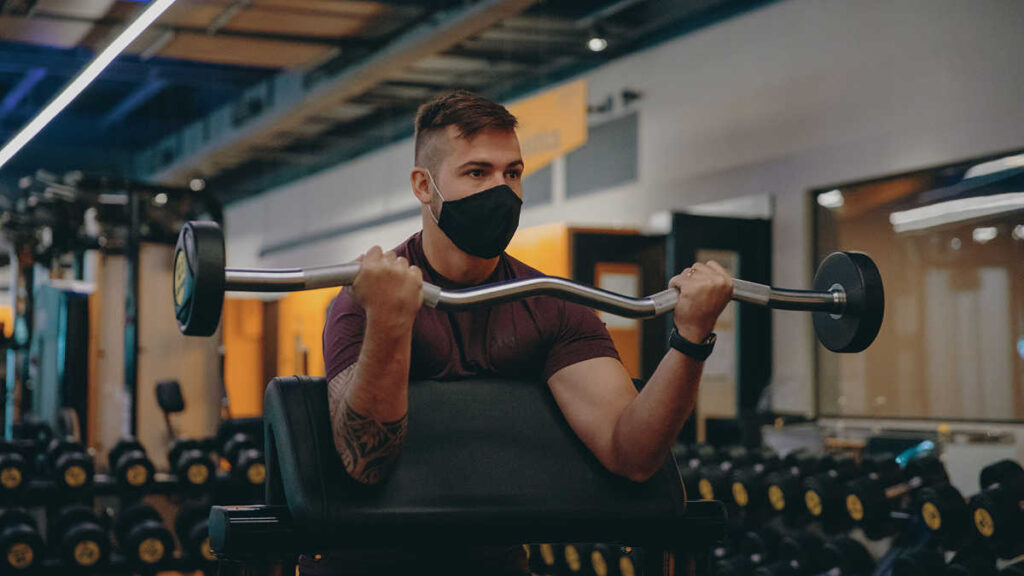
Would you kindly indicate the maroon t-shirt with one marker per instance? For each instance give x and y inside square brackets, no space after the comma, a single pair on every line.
[529,338]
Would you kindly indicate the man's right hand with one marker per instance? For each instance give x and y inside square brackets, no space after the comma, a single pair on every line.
[388,288]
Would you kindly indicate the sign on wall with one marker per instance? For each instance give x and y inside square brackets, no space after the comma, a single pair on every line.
[551,124]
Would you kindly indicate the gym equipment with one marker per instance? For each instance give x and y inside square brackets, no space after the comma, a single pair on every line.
[714,482]
[142,537]
[69,464]
[513,472]
[14,470]
[246,459]
[755,549]
[824,495]
[998,510]
[972,561]
[21,546]
[844,556]
[130,465]
[919,562]
[798,554]
[847,302]
[784,489]
[80,539]
[748,485]
[191,463]
[689,459]
[191,525]
[872,500]
[944,511]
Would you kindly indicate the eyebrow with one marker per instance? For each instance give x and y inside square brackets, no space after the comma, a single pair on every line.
[482,164]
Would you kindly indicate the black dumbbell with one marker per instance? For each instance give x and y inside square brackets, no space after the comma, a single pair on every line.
[21,546]
[844,556]
[715,481]
[784,487]
[192,527]
[824,493]
[798,554]
[246,459]
[604,560]
[80,539]
[130,465]
[70,464]
[998,510]
[191,463]
[973,560]
[142,536]
[748,489]
[945,513]
[919,562]
[689,459]
[14,469]
[878,500]
[1015,569]
[755,549]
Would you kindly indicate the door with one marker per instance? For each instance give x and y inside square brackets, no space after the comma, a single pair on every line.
[738,371]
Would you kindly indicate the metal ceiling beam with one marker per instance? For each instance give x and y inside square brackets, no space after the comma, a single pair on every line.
[67,63]
[20,90]
[286,102]
[144,93]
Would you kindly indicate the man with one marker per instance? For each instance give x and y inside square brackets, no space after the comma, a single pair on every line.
[378,336]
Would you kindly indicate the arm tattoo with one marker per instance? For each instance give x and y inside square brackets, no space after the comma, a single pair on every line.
[368,448]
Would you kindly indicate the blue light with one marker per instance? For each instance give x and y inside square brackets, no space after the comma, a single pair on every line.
[1020,347]
[914,452]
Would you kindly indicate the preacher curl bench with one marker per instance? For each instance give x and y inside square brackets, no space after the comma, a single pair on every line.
[485,462]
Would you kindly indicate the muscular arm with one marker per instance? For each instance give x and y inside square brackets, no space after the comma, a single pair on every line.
[369,403]
[630,433]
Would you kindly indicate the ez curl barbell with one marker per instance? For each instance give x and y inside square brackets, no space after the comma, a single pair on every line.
[847,301]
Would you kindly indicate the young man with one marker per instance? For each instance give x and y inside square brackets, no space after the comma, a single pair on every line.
[378,337]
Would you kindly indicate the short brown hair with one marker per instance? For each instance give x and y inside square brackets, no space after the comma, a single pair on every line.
[471,113]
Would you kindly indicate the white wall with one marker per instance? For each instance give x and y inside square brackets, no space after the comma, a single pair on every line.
[796,95]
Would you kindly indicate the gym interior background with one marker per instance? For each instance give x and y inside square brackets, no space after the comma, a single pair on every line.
[762,134]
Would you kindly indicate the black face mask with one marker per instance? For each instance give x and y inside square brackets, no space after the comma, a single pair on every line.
[480,224]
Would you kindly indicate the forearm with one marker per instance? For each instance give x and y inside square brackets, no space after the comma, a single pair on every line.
[649,425]
[370,402]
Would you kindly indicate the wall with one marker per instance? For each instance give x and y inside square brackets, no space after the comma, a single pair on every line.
[795,95]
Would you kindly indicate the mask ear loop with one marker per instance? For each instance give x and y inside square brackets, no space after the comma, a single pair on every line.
[432,183]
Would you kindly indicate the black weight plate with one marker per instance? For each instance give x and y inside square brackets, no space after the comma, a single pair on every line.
[199,278]
[855,329]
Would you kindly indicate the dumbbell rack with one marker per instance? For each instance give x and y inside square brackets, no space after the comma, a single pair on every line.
[45,493]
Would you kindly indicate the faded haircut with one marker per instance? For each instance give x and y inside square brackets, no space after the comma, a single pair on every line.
[471,113]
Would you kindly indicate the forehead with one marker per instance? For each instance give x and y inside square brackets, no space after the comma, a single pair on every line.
[495,146]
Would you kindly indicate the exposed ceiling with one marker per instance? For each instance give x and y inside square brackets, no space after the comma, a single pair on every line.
[253,93]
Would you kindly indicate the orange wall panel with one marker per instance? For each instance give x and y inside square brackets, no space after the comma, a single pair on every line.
[301,317]
[242,328]
[544,247]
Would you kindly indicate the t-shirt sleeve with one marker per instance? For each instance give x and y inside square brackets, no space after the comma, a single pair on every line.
[343,333]
[580,336]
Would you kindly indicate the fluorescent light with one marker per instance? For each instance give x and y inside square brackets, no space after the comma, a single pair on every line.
[831,199]
[984,234]
[955,211]
[1018,232]
[597,44]
[84,78]
[991,167]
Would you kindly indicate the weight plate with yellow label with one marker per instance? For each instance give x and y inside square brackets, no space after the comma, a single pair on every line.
[199,278]
[931,515]
[207,551]
[777,498]
[136,475]
[705,489]
[75,477]
[256,473]
[598,563]
[813,502]
[20,556]
[739,495]
[626,567]
[10,478]
[547,554]
[198,474]
[87,553]
[151,550]
[854,507]
[572,558]
[983,522]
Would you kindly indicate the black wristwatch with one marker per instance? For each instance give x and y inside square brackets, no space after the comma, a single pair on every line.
[698,352]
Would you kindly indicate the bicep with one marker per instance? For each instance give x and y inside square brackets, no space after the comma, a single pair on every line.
[592,394]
